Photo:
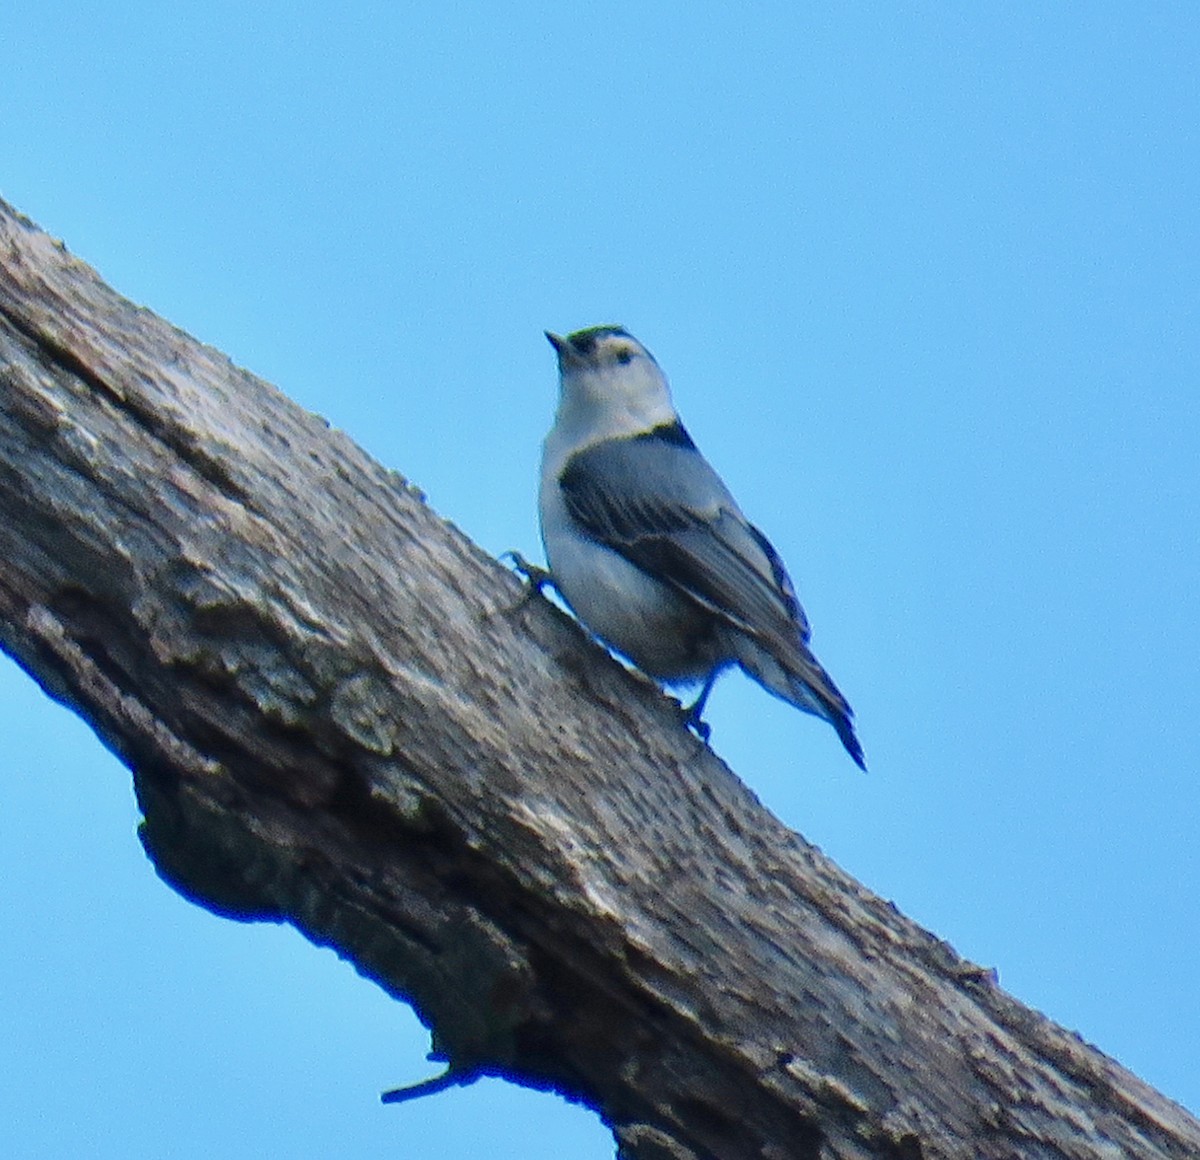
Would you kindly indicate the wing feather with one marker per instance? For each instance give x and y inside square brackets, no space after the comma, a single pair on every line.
[656,500]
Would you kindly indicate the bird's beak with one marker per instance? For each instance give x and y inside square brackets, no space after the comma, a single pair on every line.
[567,354]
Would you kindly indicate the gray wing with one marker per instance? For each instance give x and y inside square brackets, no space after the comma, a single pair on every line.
[656,500]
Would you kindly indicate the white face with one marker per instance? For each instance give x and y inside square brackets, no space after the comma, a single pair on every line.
[601,349]
[609,370]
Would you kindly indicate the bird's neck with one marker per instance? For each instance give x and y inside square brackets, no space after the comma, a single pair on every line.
[584,420]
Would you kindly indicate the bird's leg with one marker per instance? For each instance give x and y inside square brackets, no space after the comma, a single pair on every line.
[692,715]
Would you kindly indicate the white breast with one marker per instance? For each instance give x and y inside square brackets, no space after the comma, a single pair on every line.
[665,634]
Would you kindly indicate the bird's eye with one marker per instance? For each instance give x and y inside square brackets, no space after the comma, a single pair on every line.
[625,356]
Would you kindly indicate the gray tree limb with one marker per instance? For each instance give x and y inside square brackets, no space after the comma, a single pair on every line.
[339,713]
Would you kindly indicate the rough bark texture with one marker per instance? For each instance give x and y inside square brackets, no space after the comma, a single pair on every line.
[338,713]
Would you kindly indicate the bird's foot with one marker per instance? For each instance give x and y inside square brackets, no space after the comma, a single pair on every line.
[536,579]
[692,715]
[693,721]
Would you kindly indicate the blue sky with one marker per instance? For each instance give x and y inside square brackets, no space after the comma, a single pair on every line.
[925,282]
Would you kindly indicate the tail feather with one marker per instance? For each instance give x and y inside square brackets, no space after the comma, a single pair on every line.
[805,684]
[844,724]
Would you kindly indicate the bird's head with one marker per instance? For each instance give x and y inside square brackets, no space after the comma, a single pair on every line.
[609,379]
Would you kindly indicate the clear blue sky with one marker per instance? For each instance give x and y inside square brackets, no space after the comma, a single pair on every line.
[926,282]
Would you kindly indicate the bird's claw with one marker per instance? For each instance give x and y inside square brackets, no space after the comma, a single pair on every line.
[538,577]
[693,721]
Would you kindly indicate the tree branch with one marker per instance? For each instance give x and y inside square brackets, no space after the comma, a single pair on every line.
[340,713]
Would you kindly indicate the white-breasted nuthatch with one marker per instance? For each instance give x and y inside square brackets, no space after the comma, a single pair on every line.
[650,550]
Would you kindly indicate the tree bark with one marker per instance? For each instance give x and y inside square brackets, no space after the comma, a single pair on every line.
[340,713]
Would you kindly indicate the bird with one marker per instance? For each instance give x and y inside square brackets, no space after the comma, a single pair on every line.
[650,550]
